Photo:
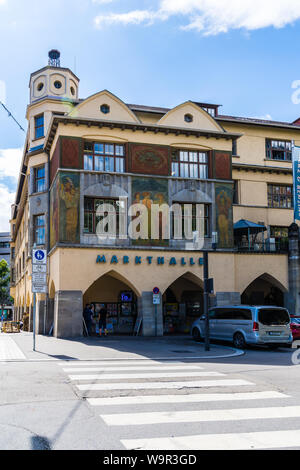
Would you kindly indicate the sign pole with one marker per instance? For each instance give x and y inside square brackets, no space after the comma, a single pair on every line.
[33,320]
[205,300]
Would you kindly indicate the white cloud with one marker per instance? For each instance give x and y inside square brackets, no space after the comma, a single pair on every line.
[10,161]
[133,17]
[212,17]
[6,200]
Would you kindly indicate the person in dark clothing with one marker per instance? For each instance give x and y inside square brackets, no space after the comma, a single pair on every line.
[88,315]
[102,321]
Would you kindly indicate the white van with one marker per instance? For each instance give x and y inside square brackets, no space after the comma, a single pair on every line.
[245,324]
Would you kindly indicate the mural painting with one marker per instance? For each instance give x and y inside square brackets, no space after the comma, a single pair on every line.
[149,159]
[54,213]
[148,191]
[224,215]
[65,209]
[69,193]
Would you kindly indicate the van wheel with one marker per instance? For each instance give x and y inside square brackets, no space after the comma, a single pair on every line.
[196,335]
[239,341]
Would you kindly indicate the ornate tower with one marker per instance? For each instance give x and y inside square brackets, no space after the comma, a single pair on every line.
[53,90]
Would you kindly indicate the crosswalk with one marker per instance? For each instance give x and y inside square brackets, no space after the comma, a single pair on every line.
[163,393]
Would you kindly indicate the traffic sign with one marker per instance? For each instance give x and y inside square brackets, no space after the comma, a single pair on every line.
[156,299]
[39,289]
[39,256]
[156,290]
[39,268]
[39,278]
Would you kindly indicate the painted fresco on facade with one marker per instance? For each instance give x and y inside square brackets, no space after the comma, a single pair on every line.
[148,191]
[224,215]
[69,195]
[149,159]
[54,213]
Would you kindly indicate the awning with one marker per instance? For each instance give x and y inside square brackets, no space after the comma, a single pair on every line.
[246,226]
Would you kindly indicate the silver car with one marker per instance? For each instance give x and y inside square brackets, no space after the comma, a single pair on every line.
[244,324]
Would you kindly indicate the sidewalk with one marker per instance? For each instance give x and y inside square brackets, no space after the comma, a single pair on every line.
[16,347]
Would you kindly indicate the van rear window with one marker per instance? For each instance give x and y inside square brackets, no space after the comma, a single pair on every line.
[270,316]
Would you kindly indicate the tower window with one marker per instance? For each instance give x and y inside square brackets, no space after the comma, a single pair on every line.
[39,126]
[188,118]
[40,86]
[57,84]
[39,177]
[105,109]
[72,90]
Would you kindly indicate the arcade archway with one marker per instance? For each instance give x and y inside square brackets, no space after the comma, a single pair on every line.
[182,304]
[264,290]
[119,297]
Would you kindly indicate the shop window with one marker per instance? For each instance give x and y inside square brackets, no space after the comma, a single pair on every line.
[39,229]
[193,216]
[39,126]
[279,150]
[280,196]
[104,157]
[39,179]
[91,219]
[281,235]
[190,164]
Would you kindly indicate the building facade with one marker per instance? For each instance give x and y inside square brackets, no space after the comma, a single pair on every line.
[81,154]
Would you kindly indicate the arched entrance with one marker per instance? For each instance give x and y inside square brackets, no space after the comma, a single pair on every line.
[119,297]
[264,290]
[182,304]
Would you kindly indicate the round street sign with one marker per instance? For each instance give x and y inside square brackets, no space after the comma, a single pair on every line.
[156,290]
[39,255]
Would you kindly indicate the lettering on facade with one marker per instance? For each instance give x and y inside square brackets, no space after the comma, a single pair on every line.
[149,260]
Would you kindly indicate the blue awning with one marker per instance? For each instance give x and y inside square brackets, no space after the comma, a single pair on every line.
[247,225]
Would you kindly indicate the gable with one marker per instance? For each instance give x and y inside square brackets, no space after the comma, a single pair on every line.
[200,119]
[91,108]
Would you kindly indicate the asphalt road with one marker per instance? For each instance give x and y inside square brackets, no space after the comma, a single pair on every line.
[244,402]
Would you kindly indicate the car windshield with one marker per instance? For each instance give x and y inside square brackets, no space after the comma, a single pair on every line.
[272,316]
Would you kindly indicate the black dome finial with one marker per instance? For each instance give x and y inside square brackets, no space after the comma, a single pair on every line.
[54,58]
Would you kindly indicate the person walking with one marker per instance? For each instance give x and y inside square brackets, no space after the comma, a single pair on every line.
[102,321]
[87,316]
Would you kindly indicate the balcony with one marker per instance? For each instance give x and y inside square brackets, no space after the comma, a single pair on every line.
[268,245]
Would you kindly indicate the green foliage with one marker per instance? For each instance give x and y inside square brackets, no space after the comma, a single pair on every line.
[5,297]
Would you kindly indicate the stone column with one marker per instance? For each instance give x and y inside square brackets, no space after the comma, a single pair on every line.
[292,298]
[147,310]
[68,314]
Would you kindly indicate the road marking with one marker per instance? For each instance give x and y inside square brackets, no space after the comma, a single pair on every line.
[8,349]
[148,367]
[133,419]
[242,441]
[120,363]
[194,398]
[165,385]
[151,375]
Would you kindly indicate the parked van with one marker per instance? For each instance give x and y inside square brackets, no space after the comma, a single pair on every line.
[243,324]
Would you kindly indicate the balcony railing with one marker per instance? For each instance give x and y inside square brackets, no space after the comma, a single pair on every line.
[265,246]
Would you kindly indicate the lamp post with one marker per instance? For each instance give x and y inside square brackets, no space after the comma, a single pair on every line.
[205,299]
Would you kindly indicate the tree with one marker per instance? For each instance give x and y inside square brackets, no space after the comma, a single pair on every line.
[5,298]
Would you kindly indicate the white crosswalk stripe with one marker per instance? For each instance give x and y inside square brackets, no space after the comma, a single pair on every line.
[229,441]
[159,376]
[146,375]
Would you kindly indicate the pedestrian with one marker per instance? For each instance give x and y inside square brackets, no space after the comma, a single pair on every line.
[102,321]
[87,316]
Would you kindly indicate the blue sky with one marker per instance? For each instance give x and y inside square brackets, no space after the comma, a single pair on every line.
[243,55]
